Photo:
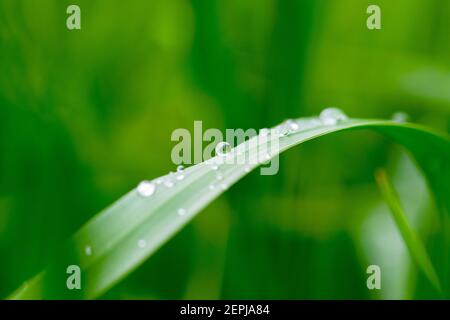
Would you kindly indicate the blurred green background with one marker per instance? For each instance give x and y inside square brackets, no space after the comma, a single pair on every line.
[85,115]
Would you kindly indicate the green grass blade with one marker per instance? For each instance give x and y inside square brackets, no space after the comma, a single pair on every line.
[114,233]
[415,246]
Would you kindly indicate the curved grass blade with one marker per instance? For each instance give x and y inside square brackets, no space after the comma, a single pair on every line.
[117,240]
[415,246]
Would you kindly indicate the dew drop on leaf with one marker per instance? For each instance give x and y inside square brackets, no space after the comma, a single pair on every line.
[332,116]
[400,117]
[146,188]
[282,130]
[292,125]
[142,243]
[223,148]
[264,132]
[168,183]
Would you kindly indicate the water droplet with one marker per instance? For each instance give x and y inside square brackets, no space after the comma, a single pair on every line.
[142,243]
[180,173]
[247,169]
[267,156]
[292,125]
[223,148]
[214,167]
[212,187]
[146,188]
[181,212]
[159,181]
[332,116]
[400,117]
[282,130]
[219,176]
[264,132]
[88,250]
[168,183]
[287,127]
[224,186]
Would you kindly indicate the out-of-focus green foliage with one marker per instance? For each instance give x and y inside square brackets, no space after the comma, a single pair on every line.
[85,115]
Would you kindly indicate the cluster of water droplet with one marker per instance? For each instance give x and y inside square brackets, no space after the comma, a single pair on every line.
[148,188]
[329,116]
